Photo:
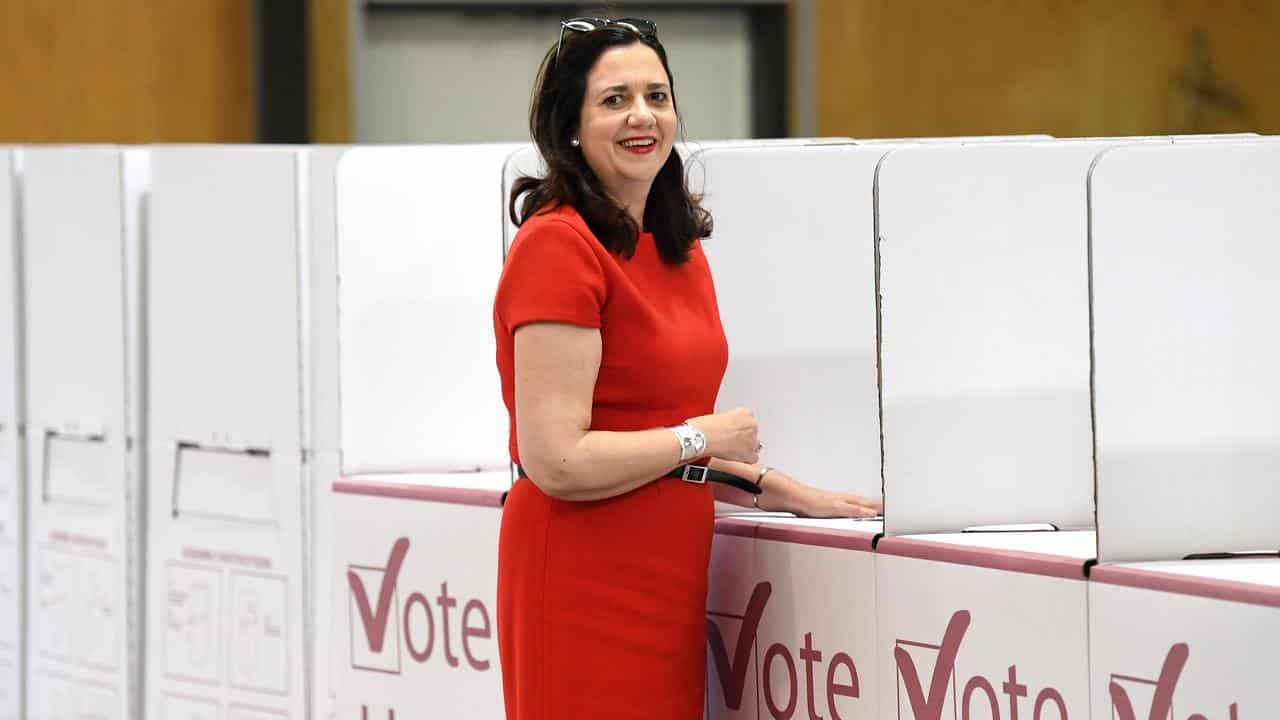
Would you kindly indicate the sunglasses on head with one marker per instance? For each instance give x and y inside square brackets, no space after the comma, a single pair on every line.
[647,29]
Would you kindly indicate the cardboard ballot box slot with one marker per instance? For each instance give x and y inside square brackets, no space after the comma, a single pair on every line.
[236,485]
[76,468]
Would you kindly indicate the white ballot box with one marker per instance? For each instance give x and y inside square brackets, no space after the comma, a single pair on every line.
[1184,618]
[791,619]
[243,430]
[424,432]
[12,478]
[81,212]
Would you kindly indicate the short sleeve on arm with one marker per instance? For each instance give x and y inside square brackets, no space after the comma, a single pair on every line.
[551,275]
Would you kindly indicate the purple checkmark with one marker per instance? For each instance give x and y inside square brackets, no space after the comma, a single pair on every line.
[375,623]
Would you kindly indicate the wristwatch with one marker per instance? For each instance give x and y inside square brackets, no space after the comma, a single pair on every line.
[693,443]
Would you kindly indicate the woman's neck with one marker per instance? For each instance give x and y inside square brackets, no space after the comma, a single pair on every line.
[632,199]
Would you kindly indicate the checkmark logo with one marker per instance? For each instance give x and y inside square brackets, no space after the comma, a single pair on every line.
[374,619]
[1162,702]
[733,674]
[930,706]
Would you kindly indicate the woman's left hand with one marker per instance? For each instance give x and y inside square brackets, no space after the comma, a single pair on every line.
[782,492]
[829,504]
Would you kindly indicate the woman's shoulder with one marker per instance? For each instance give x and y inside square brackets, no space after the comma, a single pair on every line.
[558,223]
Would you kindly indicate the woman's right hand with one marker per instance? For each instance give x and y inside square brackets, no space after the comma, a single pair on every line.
[731,435]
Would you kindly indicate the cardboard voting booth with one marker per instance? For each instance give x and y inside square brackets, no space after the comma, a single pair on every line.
[798,216]
[791,621]
[793,258]
[81,210]
[425,459]
[417,604]
[12,477]
[1184,621]
[984,349]
[241,305]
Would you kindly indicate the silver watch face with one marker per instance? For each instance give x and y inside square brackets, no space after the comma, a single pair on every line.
[699,442]
[692,441]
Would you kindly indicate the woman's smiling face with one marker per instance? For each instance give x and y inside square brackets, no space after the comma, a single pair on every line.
[628,120]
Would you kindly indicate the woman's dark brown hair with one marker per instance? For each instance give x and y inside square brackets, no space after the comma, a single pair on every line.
[671,213]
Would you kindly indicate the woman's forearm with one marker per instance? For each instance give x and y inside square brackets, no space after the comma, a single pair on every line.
[600,464]
[779,492]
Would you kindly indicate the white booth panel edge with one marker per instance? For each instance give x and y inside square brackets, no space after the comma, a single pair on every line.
[12,470]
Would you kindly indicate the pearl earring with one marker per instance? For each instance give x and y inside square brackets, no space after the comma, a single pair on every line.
[574,142]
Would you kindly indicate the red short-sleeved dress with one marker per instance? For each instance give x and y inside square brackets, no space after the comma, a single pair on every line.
[601,604]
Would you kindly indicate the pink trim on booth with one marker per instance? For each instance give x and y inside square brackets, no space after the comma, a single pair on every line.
[1018,561]
[821,537]
[427,493]
[737,526]
[1213,588]
[746,527]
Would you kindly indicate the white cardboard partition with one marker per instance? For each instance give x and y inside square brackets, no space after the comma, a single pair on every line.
[416,599]
[984,345]
[795,282]
[243,431]
[1186,344]
[421,248]
[1171,639]
[12,477]
[791,619]
[81,217]
[977,626]
[421,243]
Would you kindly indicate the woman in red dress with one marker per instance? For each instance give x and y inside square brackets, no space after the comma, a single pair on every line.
[611,354]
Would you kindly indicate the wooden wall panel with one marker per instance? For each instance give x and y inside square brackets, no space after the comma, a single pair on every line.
[891,68]
[329,63]
[126,71]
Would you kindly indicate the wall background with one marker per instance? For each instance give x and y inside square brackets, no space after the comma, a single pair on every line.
[135,71]
[128,71]
[887,68]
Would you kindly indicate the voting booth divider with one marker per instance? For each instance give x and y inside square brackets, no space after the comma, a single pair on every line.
[81,211]
[424,431]
[241,457]
[982,269]
[12,467]
[1183,256]
[785,360]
